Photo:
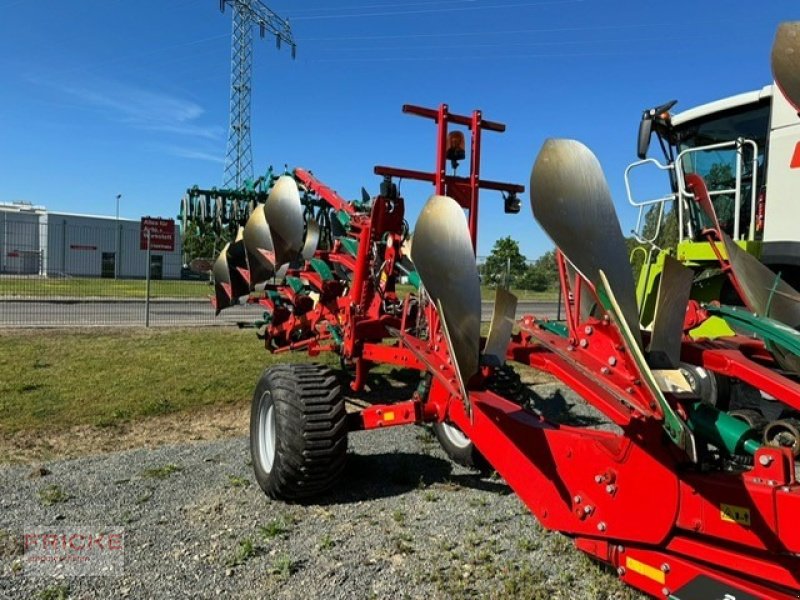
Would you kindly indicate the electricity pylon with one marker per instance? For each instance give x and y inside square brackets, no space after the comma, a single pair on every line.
[246,15]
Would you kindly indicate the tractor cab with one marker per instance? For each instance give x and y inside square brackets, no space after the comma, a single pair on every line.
[725,142]
[745,147]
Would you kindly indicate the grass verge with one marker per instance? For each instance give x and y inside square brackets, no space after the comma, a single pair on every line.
[85,287]
[92,287]
[51,381]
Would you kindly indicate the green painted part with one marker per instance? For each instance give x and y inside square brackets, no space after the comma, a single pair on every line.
[707,286]
[295,283]
[676,428]
[413,279]
[711,328]
[321,267]
[336,334]
[701,252]
[274,296]
[344,218]
[350,245]
[772,292]
[605,302]
[647,288]
[770,330]
[727,433]
[558,328]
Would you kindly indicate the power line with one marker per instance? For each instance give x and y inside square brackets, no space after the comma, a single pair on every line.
[374,49]
[294,10]
[477,57]
[403,36]
[435,10]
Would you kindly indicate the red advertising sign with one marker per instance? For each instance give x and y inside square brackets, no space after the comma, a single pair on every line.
[162,234]
[795,164]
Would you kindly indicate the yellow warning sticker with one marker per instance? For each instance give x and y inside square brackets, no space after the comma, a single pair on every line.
[735,514]
[644,569]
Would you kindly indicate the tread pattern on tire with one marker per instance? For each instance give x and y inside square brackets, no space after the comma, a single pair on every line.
[311,425]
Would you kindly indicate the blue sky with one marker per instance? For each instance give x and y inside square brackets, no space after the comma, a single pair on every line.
[101,97]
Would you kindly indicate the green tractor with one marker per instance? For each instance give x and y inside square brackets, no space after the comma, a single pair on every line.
[747,149]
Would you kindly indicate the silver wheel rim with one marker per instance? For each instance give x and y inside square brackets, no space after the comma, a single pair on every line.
[455,436]
[266,434]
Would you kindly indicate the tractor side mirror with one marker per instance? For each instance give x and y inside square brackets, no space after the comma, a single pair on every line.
[659,114]
[645,129]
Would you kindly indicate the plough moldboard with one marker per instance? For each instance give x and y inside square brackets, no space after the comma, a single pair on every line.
[694,495]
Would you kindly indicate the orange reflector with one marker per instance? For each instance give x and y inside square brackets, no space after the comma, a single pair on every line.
[795,164]
[388,415]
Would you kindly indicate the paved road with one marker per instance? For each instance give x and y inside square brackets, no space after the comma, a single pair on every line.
[38,313]
[539,309]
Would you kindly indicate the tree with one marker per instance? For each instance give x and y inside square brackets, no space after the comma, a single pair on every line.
[504,265]
[667,238]
[720,177]
[200,240]
[542,275]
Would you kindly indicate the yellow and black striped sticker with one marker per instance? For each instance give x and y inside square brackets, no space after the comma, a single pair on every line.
[735,514]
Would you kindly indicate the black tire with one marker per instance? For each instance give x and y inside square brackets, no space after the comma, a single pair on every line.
[459,448]
[505,382]
[301,410]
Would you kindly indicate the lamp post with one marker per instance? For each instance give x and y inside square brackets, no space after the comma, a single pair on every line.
[116,255]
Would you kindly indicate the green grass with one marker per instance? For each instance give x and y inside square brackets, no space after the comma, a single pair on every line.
[244,552]
[54,592]
[84,287]
[161,472]
[284,566]
[52,494]
[275,528]
[237,481]
[56,380]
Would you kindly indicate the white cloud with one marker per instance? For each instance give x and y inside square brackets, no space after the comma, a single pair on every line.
[149,110]
[193,153]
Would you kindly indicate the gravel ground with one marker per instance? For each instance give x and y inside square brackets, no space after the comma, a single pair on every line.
[403,523]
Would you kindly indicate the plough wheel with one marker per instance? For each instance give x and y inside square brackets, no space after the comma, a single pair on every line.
[505,381]
[298,431]
[459,447]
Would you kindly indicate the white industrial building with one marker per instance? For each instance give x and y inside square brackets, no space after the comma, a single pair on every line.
[34,241]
